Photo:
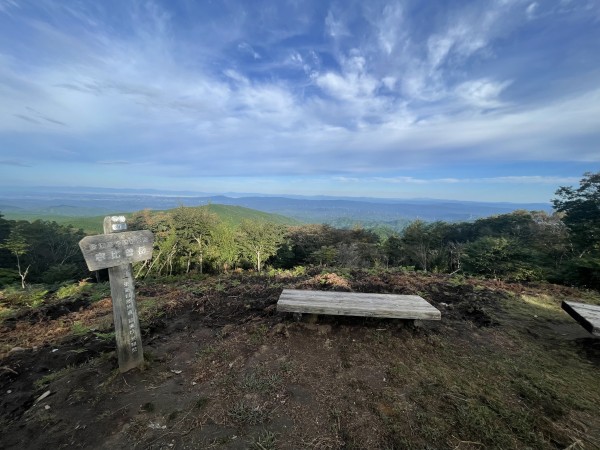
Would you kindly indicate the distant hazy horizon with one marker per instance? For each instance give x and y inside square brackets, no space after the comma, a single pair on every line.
[5,192]
[497,100]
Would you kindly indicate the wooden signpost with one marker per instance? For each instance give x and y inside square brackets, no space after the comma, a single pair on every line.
[116,249]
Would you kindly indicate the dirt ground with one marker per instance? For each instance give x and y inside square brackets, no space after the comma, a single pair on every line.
[504,368]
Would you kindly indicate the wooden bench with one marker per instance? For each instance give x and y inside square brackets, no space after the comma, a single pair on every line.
[588,316]
[356,304]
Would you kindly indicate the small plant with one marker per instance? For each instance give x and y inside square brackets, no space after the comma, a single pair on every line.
[286,366]
[5,312]
[72,290]
[261,382]
[299,271]
[219,287]
[264,441]
[31,297]
[76,396]
[246,414]
[333,280]
[259,334]
[78,329]
[98,291]
[108,336]
[47,379]
[206,351]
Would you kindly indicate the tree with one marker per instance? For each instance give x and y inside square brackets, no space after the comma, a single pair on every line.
[489,256]
[18,246]
[224,249]
[194,227]
[419,243]
[260,240]
[393,251]
[325,256]
[305,240]
[581,209]
[165,240]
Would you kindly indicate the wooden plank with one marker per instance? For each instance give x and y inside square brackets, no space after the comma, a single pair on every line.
[356,304]
[109,250]
[125,315]
[588,316]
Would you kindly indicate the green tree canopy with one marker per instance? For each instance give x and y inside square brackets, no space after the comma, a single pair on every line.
[260,240]
[194,227]
[581,209]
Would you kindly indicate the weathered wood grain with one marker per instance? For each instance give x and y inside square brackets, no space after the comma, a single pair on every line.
[125,315]
[356,304]
[588,316]
[109,250]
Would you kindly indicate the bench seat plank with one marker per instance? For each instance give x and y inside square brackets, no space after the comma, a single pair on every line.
[588,316]
[356,304]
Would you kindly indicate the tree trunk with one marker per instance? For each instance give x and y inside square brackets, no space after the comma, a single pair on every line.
[21,274]
[189,261]
[199,241]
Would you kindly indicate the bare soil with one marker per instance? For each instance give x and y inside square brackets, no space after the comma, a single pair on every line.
[505,368]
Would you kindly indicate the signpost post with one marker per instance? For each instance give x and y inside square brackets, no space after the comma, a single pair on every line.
[116,249]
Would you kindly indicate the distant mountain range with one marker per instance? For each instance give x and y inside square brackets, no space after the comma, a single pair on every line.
[333,210]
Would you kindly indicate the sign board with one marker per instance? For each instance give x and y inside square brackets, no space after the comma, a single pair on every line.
[109,250]
[116,250]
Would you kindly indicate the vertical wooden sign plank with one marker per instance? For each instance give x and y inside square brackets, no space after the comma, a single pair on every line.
[125,315]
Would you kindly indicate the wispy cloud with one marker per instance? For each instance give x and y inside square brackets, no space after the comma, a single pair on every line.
[115,163]
[482,93]
[13,163]
[7,5]
[531,179]
[531,10]
[247,48]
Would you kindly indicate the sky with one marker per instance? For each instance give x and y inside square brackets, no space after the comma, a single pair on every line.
[488,100]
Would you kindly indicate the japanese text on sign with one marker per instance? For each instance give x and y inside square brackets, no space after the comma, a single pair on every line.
[109,250]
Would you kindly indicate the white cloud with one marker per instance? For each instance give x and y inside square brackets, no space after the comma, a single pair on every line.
[483,93]
[348,87]
[185,119]
[335,27]
[424,65]
[391,28]
[236,76]
[531,10]
[118,162]
[7,5]
[527,179]
[247,48]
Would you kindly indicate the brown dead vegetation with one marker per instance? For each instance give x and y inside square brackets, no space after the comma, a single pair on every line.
[505,368]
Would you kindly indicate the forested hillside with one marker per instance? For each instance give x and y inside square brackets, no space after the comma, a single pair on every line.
[82,207]
[563,247]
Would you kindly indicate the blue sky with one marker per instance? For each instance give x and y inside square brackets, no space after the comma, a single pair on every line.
[487,100]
